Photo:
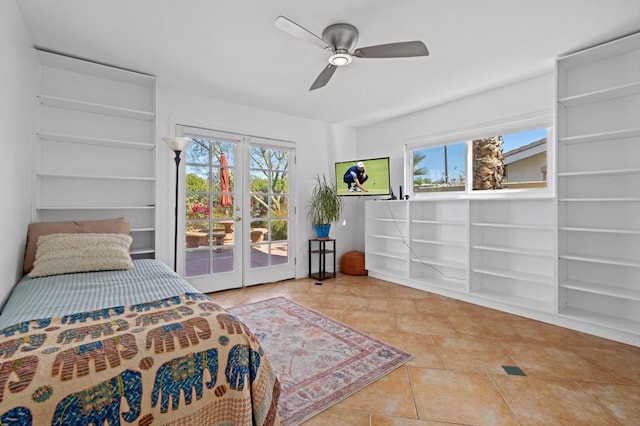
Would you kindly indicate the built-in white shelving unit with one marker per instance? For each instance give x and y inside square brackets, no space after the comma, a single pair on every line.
[96,157]
[387,233]
[439,243]
[571,258]
[598,126]
[512,252]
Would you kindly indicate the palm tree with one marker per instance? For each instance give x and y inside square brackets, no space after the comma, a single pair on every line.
[488,168]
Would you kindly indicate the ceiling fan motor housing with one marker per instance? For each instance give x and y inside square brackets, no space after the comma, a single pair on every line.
[343,37]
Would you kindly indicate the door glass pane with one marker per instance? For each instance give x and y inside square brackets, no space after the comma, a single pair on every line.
[223,259]
[209,191]
[279,182]
[269,186]
[279,253]
[279,230]
[197,262]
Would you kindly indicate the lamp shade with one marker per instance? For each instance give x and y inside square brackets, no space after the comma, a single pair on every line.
[177,144]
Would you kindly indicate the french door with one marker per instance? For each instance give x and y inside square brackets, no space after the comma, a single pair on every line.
[238,224]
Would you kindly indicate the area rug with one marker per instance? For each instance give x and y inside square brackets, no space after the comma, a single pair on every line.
[319,361]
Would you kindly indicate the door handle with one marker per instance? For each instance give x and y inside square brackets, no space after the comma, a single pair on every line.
[238,218]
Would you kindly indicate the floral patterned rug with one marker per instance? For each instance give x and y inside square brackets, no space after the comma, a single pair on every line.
[319,361]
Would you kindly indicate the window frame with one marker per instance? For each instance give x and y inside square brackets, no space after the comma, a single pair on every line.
[483,130]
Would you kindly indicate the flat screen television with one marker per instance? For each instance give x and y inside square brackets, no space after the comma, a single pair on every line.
[377,177]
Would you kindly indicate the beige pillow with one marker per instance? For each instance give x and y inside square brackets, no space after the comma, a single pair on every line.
[68,253]
[106,226]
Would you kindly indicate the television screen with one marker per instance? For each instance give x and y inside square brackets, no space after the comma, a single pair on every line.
[363,177]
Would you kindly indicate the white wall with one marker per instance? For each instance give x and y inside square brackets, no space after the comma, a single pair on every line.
[317,144]
[532,96]
[19,76]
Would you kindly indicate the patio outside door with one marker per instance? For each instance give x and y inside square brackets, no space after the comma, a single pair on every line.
[236,206]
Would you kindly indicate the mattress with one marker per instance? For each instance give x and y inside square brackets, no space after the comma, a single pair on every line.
[34,298]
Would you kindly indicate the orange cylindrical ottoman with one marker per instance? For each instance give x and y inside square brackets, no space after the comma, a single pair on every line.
[352,263]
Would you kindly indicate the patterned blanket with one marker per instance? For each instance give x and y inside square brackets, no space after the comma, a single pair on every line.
[182,360]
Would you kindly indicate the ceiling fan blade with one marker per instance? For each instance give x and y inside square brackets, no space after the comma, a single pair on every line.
[324,77]
[404,49]
[297,31]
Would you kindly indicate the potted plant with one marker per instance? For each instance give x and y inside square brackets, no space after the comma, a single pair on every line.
[325,206]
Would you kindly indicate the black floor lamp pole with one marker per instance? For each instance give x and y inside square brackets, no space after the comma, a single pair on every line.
[175,234]
[177,145]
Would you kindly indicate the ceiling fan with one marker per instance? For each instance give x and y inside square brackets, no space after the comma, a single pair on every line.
[340,40]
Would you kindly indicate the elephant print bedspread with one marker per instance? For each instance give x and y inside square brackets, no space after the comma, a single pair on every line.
[181,360]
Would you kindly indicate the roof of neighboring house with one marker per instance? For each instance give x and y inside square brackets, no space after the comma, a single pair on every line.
[524,151]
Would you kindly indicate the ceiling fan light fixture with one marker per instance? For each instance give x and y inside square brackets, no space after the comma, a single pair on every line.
[340,59]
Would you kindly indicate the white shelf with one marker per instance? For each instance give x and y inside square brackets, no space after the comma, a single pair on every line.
[449,284]
[81,66]
[525,302]
[439,242]
[439,262]
[388,237]
[95,141]
[602,136]
[600,200]
[142,230]
[601,173]
[73,104]
[600,230]
[513,225]
[512,249]
[591,317]
[516,275]
[95,208]
[388,271]
[605,290]
[439,222]
[89,177]
[601,95]
[388,254]
[600,259]
[383,219]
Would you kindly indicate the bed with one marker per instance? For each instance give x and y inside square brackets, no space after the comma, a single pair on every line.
[132,346]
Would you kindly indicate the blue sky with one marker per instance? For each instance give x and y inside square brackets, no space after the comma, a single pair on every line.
[434,161]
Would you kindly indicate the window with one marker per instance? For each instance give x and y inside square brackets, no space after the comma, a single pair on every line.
[501,160]
[510,161]
[439,168]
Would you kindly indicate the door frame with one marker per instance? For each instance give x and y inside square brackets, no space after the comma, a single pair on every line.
[242,275]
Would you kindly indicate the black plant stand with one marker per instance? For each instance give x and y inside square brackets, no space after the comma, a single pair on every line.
[321,250]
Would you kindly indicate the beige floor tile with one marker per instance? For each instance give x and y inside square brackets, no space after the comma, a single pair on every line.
[471,354]
[346,302]
[425,324]
[536,331]
[395,304]
[484,327]
[421,347]
[622,401]
[439,305]
[408,292]
[458,397]
[389,396]
[397,421]
[555,362]
[621,362]
[550,402]
[371,321]
[342,418]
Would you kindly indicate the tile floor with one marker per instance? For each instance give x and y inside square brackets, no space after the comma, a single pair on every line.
[456,376]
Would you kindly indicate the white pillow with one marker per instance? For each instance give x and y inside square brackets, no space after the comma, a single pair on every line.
[69,253]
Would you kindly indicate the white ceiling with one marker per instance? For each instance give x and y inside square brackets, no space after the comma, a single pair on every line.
[231,50]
